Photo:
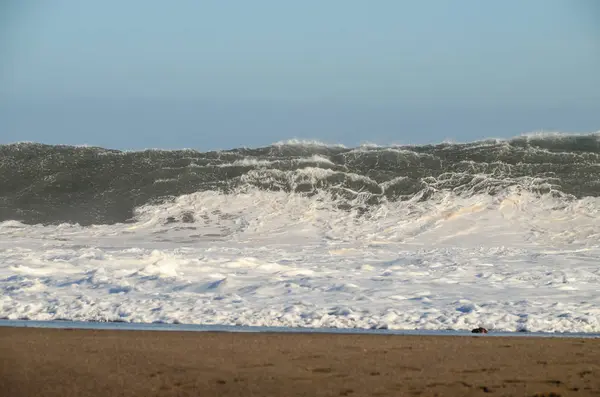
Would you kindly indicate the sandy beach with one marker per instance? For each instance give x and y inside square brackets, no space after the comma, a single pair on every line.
[67,362]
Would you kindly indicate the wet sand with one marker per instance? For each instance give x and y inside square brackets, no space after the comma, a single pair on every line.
[63,362]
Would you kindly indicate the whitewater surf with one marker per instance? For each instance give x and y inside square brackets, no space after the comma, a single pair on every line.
[503,234]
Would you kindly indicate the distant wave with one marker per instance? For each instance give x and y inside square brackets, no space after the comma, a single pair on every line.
[91,185]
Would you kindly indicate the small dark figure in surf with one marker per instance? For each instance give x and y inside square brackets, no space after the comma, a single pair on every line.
[479,330]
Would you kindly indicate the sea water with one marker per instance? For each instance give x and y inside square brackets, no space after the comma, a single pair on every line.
[503,234]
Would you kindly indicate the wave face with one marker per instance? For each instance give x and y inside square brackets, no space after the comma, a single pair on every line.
[500,234]
[87,185]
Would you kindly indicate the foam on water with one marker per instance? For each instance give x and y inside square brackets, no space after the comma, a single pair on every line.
[511,261]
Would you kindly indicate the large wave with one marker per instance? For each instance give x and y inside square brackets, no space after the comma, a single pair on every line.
[503,234]
[88,185]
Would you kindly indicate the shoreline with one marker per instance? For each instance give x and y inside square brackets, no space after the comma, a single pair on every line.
[91,362]
[128,326]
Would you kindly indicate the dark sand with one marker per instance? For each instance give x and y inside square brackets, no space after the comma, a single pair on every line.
[55,362]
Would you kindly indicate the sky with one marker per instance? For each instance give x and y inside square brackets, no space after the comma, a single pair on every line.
[217,74]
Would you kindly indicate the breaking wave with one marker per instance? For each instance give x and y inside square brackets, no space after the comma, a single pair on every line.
[503,234]
[89,185]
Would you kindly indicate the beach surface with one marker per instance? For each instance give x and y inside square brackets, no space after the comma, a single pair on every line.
[70,362]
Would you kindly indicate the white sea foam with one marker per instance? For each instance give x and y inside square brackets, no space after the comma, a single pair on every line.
[253,162]
[307,143]
[555,135]
[316,159]
[248,162]
[513,261]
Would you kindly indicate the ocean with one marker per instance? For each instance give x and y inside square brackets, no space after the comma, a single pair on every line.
[503,234]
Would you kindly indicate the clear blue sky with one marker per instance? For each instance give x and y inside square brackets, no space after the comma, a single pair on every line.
[219,74]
